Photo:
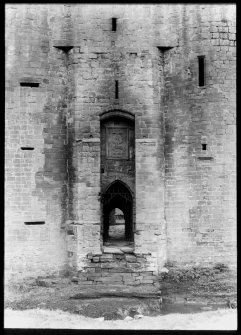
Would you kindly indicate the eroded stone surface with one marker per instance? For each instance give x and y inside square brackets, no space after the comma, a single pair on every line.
[62,64]
[127,249]
[111,250]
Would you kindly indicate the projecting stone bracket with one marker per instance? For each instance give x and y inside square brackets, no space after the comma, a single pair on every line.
[165,48]
[65,45]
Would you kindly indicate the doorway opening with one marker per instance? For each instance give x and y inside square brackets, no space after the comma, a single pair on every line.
[117,215]
[116,225]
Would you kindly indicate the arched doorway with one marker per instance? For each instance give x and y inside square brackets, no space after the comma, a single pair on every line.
[118,196]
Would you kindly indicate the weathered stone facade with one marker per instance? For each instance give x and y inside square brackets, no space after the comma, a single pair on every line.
[64,64]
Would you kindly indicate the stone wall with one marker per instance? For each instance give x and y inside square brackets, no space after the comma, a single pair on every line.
[117,268]
[200,190]
[62,62]
[35,180]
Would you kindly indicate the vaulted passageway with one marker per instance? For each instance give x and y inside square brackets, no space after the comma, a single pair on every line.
[118,196]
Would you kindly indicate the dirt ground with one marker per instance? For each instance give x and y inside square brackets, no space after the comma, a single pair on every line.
[214,320]
[191,297]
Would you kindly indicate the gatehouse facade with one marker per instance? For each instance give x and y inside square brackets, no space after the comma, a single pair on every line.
[127,109]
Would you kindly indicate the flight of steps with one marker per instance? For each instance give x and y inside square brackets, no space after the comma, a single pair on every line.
[117,266]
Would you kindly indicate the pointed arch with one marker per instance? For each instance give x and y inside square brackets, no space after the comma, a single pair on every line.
[116,113]
[120,182]
[118,195]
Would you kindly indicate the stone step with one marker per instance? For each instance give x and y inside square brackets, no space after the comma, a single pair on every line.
[120,294]
[142,276]
[118,255]
[125,278]
[111,250]
[116,258]
[116,267]
[127,250]
[116,290]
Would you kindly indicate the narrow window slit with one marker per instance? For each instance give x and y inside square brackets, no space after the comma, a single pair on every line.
[29,84]
[204,146]
[205,158]
[116,89]
[34,223]
[201,71]
[27,148]
[114,23]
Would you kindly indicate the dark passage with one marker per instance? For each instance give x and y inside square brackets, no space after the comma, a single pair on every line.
[117,214]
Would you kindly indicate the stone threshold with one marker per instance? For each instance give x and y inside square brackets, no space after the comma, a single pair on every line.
[117,250]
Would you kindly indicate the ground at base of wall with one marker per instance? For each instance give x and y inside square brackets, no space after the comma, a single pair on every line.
[222,319]
[208,285]
[182,291]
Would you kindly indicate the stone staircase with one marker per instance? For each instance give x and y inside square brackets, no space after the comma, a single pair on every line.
[117,266]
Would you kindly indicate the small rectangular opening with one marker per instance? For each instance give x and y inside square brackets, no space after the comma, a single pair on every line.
[27,148]
[29,84]
[34,223]
[114,22]
[205,158]
[116,89]
[204,146]
[201,71]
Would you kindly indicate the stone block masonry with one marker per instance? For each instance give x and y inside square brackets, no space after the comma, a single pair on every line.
[117,269]
[62,65]
[199,182]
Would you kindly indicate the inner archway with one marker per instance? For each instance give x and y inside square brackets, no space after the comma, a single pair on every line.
[118,197]
[116,231]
